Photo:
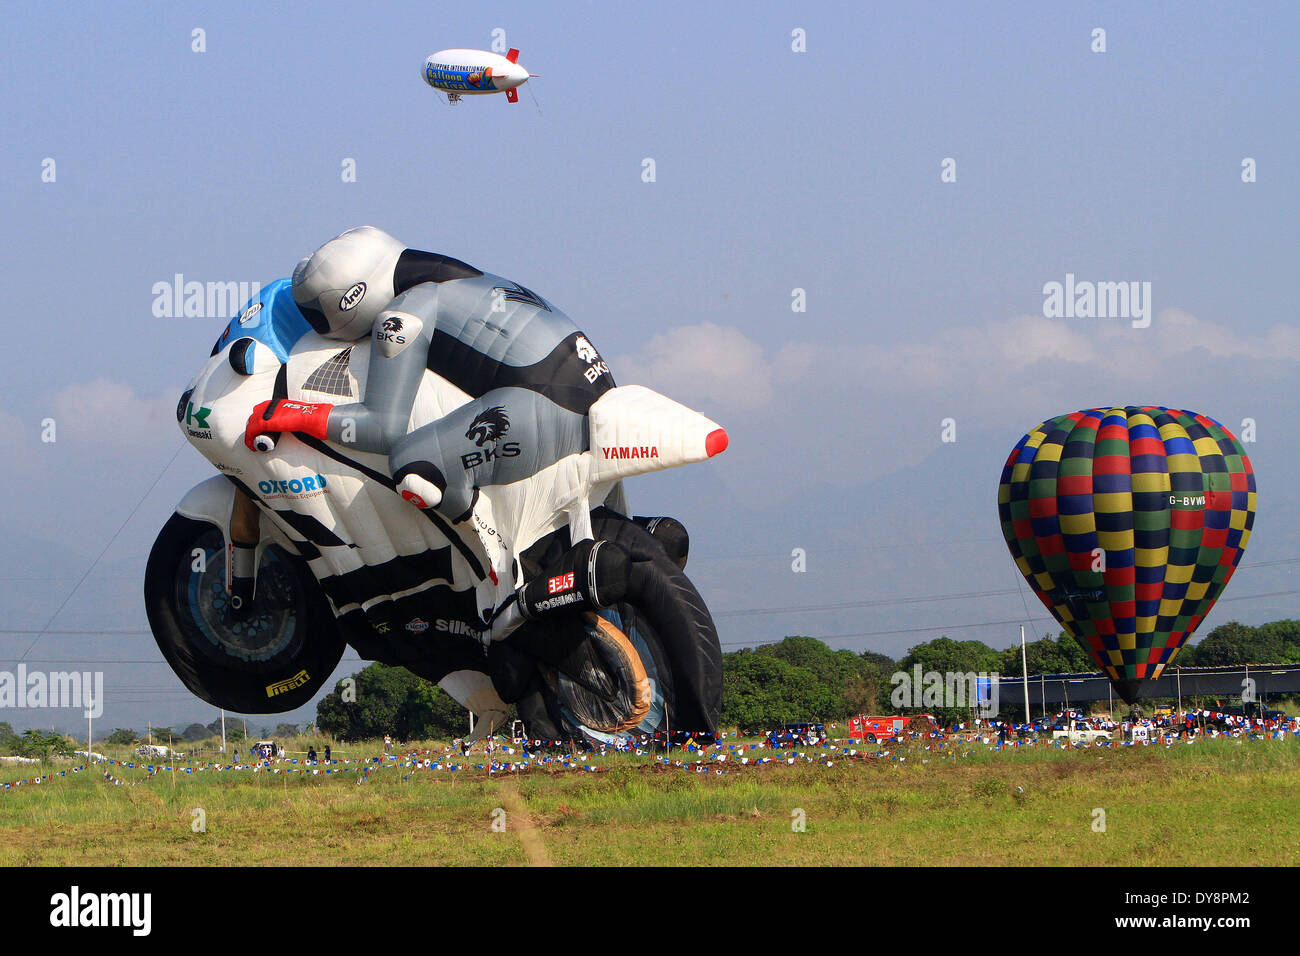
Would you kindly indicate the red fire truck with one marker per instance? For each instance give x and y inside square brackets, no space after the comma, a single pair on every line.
[874,729]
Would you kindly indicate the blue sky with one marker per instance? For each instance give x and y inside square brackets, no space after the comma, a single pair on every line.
[775,170]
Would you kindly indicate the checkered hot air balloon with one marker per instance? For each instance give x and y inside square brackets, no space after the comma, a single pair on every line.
[1128,523]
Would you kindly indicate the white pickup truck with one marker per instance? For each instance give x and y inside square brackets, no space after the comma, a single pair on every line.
[154,752]
[1081,733]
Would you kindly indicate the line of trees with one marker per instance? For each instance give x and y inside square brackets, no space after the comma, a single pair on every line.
[41,744]
[801,678]
[798,678]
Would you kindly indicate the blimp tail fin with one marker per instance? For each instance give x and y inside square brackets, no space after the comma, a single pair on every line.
[513,55]
[512,96]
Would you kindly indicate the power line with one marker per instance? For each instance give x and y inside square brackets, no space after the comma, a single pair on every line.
[751,612]
[900,630]
[957,627]
[839,550]
[120,528]
[846,605]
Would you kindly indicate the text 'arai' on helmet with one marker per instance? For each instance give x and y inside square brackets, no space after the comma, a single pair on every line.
[343,286]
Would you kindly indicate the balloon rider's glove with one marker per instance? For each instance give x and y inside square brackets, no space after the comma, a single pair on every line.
[282,415]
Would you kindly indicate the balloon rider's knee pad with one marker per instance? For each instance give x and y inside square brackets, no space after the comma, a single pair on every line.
[421,483]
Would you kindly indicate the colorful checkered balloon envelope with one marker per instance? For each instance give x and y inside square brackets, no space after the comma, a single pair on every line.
[1128,523]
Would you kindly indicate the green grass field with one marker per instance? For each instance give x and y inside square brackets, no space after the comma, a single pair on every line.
[1216,803]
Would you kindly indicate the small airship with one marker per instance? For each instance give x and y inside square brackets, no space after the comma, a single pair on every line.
[472,72]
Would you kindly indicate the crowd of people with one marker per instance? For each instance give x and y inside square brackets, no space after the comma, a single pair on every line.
[1193,722]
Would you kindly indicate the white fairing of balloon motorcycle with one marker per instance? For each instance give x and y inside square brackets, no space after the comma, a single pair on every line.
[328,511]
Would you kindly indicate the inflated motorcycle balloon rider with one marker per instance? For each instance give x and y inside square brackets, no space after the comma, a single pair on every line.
[495,340]
[471,381]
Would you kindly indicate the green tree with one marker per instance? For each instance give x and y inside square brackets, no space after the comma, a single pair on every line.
[196,732]
[868,691]
[945,656]
[286,730]
[761,690]
[1062,655]
[432,712]
[44,744]
[9,741]
[390,700]
[122,735]
[1284,638]
[854,681]
[1236,643]
[881,662]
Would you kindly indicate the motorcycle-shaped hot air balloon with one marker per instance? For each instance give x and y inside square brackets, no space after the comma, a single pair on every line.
[1128,523]
[614,639]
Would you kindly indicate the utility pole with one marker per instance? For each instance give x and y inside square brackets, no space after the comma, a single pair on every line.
[90,724]
[223,730]
[1024,673]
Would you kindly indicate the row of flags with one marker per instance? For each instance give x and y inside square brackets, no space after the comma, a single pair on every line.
[717,757]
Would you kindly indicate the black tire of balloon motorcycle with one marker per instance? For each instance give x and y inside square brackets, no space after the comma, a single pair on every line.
[238,689]
[663,594]
[541,709]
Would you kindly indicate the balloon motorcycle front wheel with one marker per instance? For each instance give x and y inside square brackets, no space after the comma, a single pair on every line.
[273,661]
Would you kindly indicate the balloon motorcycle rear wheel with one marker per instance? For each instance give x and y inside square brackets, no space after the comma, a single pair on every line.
[271,663]
[631,695]
[605,686]
[671,628]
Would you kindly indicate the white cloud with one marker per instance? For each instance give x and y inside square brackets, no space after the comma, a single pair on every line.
[712,365]
[721,364]
[796,411]
[107,412]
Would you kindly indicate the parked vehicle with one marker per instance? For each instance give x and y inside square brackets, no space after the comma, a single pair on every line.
[879,729]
